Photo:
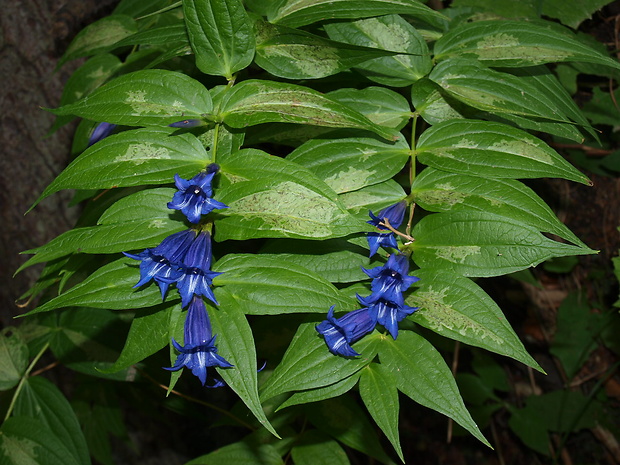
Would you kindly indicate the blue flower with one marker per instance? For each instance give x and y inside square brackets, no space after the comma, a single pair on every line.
[340,333]
[194,196]
[395,215]
[196,277]
[391,280]
[101,131]
[162,262]
[198,352]
[387,313]
[187,123]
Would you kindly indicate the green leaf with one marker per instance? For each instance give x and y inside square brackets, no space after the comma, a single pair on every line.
[482,244]
[438,191]
[431,102]
[352,163]
[84,80]
[391,33]
[256,101]
[151,226]
[236,344]
[344,419]
[151,330]
[41,400]
[380,395]
[241,453]
[27,441]
[494,91]
[374,198]
[457,308]
[281,208]
[133,158]
[422,374]
[295,54]
[295,13]
[572,12]
[325,392]
[152,97]
[270,286]
[335,260]
[492,150]
[573,342]
[174,35]
[221,35]
[315,448]
[515,43]
[13,357]
[109,287]
[308,363]
[99,36]
[380,105]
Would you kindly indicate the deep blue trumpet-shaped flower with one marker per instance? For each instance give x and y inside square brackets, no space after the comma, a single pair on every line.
[391,280]
[387,313]
[194,196]
[196,274]
[340,333]
[395,215]
[199,351]
[101,131]
[162,262]
[187,123]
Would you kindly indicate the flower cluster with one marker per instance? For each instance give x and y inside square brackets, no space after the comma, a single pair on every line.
[184,259]
[385,306]
[394,214]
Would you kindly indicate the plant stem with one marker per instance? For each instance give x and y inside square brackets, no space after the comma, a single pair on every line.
[23,380]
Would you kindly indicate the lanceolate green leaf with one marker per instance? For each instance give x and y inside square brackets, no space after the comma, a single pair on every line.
[235,343]
[321,393]
[296,54]
[254,101]
[431,101]
[422,374]
[221,35]
[308,364]
[380,105]
[152,97]
[515,43]
[98,36]
[296,13]
[380,395]
[41,400]
[174,35]
[352,163]
[457,308]
[111,287]
[494,91]
[391,33]
[281,208]
[492,150]
[439,191]
[482,244]
[269,286]
[133,158]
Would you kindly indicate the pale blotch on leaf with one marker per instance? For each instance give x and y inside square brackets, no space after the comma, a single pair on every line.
[156,224]
[311,61]
[456,254]
[449,198]
[349,180]
[98,73]
[508,47]
[20,450]
[523,148]
[290,207]
[141,153]
[439,314]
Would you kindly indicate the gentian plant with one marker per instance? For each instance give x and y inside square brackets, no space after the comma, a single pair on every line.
[251,140]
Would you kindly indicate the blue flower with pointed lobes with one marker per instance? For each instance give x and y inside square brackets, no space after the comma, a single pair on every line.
[387,313]
[391,280]
[395,215]
[101,131]
[340,333]
[193,197]
[162,262]
[198,352]
[196,275]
